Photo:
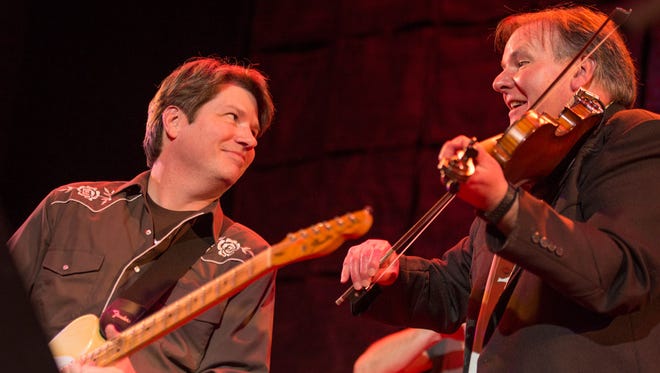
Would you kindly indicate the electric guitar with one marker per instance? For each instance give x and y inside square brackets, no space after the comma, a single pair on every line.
[81,340]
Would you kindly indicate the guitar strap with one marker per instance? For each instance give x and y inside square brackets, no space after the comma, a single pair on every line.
[187,246]
[500,275]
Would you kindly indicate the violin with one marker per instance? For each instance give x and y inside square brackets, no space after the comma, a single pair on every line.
[516,150]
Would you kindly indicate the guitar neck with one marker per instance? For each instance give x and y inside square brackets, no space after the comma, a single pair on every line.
[181,311]
[315,241]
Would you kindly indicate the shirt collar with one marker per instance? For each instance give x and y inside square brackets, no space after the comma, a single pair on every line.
[138,185]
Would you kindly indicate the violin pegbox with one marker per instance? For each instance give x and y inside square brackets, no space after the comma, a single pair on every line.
[457,169]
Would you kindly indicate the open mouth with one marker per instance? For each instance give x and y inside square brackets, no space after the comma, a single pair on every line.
[516,109]
[515,104]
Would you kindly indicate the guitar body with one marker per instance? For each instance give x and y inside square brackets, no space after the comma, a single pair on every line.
[79,337]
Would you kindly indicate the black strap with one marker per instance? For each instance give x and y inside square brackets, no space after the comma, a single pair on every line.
[189,244]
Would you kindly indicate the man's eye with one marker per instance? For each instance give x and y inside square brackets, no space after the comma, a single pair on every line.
[233,116]
[522,63]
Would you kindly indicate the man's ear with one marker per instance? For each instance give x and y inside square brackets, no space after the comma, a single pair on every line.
[584,75]
[173,119]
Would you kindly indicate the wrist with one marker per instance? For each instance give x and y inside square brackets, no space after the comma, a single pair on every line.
[495,215]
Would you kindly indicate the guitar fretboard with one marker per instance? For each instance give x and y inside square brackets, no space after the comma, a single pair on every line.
[180,311]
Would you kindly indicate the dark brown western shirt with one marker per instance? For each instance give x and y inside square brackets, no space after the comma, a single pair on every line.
[87,241]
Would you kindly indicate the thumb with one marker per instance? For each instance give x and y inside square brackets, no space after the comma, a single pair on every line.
[389,273]
[111,331]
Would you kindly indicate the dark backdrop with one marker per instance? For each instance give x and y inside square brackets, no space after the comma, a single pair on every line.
[366,92]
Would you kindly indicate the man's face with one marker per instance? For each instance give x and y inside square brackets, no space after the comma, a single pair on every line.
[528,68]
[220,143]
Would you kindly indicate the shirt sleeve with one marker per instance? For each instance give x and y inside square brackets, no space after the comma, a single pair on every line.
[27,244]
[429,293]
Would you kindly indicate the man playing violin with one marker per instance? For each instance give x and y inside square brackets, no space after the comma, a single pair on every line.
[583,292]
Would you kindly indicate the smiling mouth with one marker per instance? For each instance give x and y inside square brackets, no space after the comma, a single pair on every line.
[237,156]
[516,104]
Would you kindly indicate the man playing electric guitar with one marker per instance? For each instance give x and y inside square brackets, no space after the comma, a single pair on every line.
[87,243]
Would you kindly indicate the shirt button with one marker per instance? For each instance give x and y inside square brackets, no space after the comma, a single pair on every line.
[544,242]
[136,269]
[65,267]
[147,232]
[536,237]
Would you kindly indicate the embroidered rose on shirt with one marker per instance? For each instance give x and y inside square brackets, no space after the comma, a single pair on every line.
[85,194]
[88,192]
[227,247]
[91,193]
